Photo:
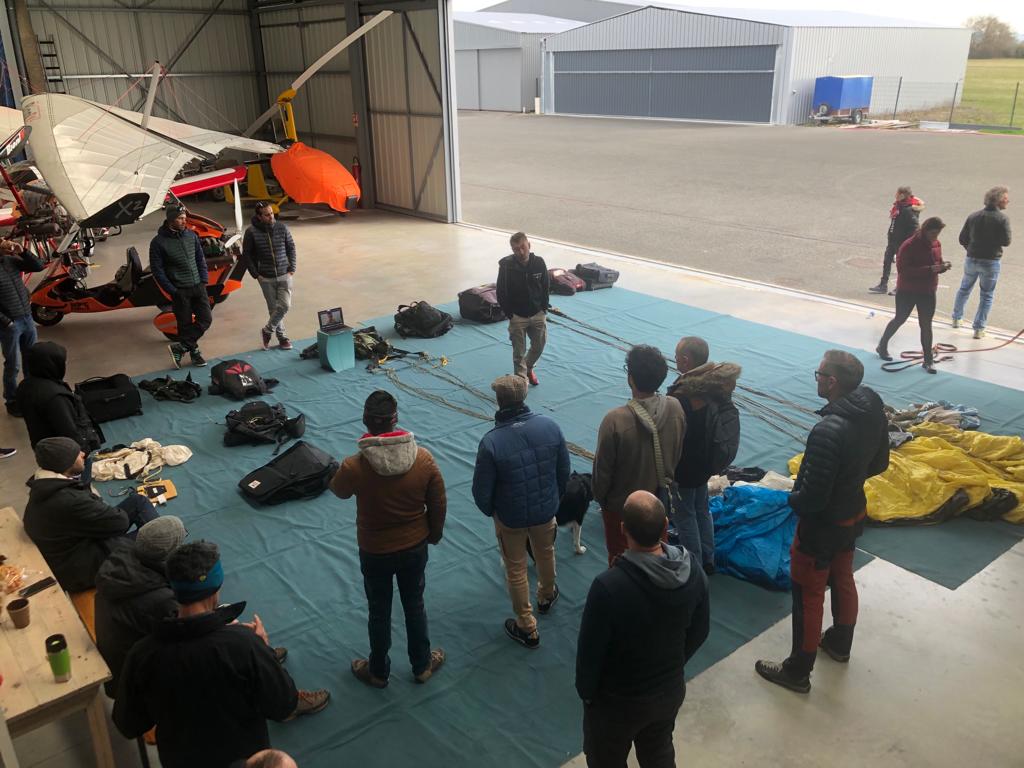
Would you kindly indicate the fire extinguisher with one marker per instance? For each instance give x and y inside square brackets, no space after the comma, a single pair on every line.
[357,174]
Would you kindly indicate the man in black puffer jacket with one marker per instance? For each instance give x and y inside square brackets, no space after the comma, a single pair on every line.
[17,330]
[523,291]
[268,251]
[849,445]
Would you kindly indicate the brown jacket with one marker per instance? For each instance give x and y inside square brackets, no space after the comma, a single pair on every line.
[624,459]
[400,496]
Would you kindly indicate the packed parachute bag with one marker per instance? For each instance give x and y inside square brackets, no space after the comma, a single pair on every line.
[238,380]
[260,422]
[422,321]
[595,276]
[175,390]
[302,472]
[754,529]
[109,397]
[480,304]
[565,283]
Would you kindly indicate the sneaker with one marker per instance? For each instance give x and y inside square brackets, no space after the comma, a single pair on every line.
[13,410]
[6,453]
[835,655]
[177,352]
[284,342]
[361,669]
[197,359]
[929,367]
[979,333]
[532,378]
[776,672]
[437,658]
[955,322]
[529,640]
[280,654]
[709,569]
[880,288]
[883,353]
[543,606]
[265,337]
[310,702]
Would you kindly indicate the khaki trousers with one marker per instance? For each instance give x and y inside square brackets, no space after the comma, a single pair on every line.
[519,328]
[513,549]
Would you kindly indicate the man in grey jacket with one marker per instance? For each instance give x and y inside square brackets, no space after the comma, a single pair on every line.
[984,235]
[269,253]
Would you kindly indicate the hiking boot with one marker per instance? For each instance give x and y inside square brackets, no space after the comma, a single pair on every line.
[882,287]
[280,654]
[6,453]
[709,569]
[979,333]
[529,640]
[197,359]
[361,669]
[265,337]
[833,653]
[776,672]
[310,702]
[437,658]
[543,606]
[177,352]
[532,378]
[284,342]
[883,353]
[955,322]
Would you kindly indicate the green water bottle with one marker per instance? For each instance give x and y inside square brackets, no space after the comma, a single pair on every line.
[59,658]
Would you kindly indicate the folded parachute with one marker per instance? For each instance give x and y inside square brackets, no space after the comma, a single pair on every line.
[754,528]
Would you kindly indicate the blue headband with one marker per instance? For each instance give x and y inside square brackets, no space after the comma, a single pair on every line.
[193,591]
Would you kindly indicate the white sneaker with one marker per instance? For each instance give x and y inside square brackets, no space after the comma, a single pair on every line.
[955,322]
[979,333]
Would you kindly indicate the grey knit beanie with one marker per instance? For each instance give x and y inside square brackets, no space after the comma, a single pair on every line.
[57,454]
[158,538]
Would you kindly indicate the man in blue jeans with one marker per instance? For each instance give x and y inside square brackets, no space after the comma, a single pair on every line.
[400,509]
[712,438]
[984,235]
[17,330]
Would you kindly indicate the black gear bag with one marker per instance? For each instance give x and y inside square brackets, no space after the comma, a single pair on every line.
[480,304]
[260,422]
[301,472]
[109,397]
[421,320]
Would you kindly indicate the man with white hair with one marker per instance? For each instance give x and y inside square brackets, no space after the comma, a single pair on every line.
[984,235]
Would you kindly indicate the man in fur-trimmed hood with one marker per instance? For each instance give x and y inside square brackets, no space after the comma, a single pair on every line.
[704,389]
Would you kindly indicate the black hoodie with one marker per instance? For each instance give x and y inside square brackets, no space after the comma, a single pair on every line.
[132,596]
[208,685]
[644,618]
[849,445]
[49,406]
[522,290]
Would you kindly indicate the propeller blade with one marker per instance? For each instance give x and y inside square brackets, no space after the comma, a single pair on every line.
[238,209]
[319,64]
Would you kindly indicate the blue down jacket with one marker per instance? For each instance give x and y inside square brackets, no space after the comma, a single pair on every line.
[522,467]
[754,528]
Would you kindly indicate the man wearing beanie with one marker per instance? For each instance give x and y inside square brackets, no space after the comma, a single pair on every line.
[179,266]
[73,528]
[207,682]
[400,508]
[522,467]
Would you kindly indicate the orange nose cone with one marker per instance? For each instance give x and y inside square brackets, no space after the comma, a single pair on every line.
[308,175]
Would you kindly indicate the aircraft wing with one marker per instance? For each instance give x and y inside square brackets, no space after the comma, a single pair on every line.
[202,138]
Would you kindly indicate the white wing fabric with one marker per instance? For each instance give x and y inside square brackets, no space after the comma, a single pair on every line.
[10,121]
[202,138]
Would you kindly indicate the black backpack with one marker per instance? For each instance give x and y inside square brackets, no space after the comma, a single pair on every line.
[239,380]
[167,388]
[301,472]
[109,397]
[596,276]
[723,435]
[481,304]
[421,320]
[261,422]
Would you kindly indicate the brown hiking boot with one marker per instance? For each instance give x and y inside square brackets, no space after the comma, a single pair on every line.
[361,669]
[310,702]
[437,658]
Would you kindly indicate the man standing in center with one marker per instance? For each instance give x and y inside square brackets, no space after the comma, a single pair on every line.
[268,251]
[522,467]
[179,266]
[400,508]
[624,459]
[523,290]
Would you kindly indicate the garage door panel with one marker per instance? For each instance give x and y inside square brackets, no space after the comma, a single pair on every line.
[602,94]
[467,84]
[748,57]
[501,79]
[602,61]
[743,97]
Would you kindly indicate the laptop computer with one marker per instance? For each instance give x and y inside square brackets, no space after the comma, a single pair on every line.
[331,320]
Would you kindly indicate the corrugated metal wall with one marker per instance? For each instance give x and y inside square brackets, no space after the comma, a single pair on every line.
[929,60]
[478,38]
[104,49]
[581,10]
[533,66]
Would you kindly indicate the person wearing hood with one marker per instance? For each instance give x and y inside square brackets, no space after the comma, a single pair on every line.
[74,528]
[624,460]
[17,329]
[902,224]
[523,289]
[268,251]
[178,264]
[400,509]
[522,467]
[644,619]
[984,235]
[206,681]
[704,390]
[849,445]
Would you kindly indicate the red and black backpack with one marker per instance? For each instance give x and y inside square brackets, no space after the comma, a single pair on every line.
[238,380]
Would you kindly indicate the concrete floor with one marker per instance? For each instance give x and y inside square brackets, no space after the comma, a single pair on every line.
[936,680]
[799,207]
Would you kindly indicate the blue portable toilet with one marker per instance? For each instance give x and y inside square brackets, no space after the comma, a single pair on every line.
[846,97]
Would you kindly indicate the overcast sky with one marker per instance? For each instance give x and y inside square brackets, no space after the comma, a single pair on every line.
[941,12]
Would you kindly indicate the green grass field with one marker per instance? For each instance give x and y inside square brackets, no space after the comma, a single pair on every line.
[987,98]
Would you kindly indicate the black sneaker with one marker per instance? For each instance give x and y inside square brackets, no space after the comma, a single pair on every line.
[280,654]
[197,359]
[543,606]
[13,410]
[6,453]
[880,288]
[177,352]
[834,654]
[883,353]
[776,672]
[527,640]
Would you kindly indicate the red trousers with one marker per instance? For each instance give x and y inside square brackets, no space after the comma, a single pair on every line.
[811,575]
[614,539]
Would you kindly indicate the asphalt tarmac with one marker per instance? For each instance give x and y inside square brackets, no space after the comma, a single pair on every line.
[800,207]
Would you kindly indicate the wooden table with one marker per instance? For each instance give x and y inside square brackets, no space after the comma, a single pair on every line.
[29,696]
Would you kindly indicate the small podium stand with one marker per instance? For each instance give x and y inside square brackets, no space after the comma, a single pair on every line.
[337,349]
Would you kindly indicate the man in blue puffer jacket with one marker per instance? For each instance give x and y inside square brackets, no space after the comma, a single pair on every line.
[522,467]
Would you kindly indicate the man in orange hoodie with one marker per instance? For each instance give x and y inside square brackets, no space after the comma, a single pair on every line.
[400,508]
